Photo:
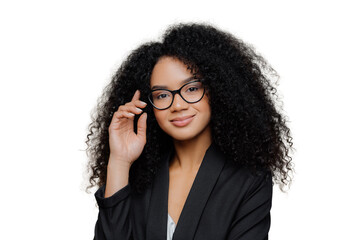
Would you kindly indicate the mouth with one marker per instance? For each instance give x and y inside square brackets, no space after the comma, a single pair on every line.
[181,122]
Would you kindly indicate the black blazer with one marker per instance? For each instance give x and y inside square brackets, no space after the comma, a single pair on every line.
[224,202]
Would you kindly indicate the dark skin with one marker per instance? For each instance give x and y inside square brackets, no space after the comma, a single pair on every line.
[180,183]
[190,141]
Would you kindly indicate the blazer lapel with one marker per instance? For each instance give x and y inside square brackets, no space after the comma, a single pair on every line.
[157,217]
[200,191]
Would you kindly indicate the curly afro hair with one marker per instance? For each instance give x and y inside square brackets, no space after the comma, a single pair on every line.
[246,122]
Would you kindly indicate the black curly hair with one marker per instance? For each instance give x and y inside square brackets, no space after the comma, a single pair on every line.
[246,122]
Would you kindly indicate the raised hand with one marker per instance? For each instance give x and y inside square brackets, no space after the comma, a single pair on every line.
[125,145]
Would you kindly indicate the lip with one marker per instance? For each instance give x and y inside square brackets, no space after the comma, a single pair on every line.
[183,121]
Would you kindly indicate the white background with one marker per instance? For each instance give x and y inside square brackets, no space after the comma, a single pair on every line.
[56,57]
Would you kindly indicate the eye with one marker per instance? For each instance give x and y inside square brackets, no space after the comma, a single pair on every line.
[192,89]
[160,95]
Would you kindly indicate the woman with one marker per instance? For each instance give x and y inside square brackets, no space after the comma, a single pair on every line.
[187,140]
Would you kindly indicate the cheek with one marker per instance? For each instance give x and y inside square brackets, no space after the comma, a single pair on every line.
[160,116]
[207,111]
[205,105]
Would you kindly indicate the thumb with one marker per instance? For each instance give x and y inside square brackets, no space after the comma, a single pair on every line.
[141,126]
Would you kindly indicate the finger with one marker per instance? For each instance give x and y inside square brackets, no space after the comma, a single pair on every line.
[136,95]
[141,127]
[136,103]
[130,108]
[118,116]
[123,119]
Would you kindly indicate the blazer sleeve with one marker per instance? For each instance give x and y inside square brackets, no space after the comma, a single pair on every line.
[113,219]
[252,218]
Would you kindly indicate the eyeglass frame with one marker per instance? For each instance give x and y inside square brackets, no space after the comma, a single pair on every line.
[173,92]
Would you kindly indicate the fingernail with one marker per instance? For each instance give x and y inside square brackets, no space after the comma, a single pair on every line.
[143,103]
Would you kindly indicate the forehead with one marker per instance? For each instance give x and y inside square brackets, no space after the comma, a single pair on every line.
[170,72]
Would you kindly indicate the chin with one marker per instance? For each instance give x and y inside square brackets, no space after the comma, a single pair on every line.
[184,134]
[181,134]
[182,137]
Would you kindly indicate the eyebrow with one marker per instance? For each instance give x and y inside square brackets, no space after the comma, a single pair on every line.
[182,82]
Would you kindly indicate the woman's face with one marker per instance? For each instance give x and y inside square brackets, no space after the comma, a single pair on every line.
[170,73]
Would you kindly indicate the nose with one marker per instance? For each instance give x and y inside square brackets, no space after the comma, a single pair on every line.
[179,103]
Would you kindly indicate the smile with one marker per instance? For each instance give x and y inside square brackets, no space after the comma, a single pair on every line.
[182,123]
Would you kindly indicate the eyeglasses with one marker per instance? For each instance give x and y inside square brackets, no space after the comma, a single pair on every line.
[191,92]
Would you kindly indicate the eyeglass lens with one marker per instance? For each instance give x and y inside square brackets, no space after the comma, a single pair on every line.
[191,92]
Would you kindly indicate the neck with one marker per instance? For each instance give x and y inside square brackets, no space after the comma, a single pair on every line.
[189,154]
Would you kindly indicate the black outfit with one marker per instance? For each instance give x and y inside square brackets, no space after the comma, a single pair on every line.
[224,202]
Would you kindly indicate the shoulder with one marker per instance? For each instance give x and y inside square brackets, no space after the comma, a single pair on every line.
[245,181]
